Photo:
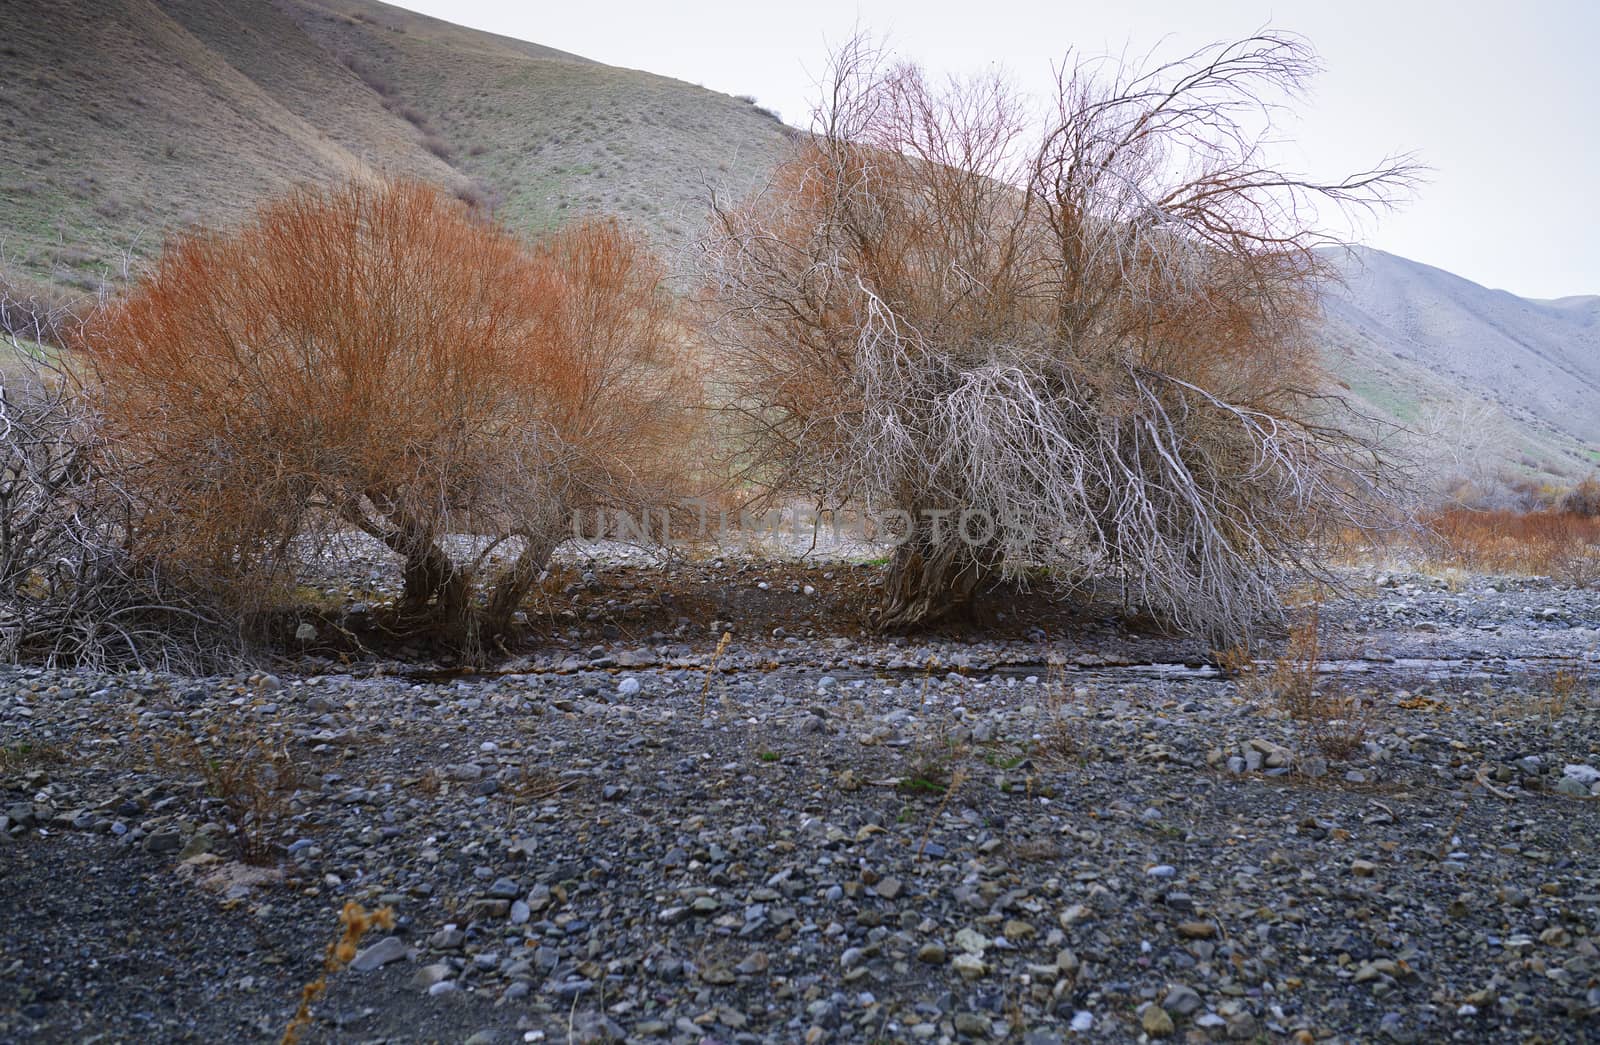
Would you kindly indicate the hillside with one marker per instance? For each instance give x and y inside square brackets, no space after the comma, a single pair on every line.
[1487,379]
[125,119]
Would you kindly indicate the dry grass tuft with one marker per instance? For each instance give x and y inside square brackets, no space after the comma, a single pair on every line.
[1329,717]
[355,921]
[1058,740]
[245,767]
[25,754]
[957,778]
[1555,695]
[705,690]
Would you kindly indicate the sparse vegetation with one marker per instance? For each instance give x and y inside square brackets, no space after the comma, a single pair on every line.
[285,94]
[1058,739]
[22,755]
[245,767]
[353,427]
[1559,544]
[1330,716]
[355,922]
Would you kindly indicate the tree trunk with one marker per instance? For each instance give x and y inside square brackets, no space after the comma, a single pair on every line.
[428,575]
[513,584]
[927,582]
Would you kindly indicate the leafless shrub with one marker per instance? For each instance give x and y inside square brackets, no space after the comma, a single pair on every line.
[34,313]
[245,767]
[1583,499]
[407,112]
[438,146]
[70,591]
[1559,544]
[1093,332]
[378,358]
[480,196]
[1060,736]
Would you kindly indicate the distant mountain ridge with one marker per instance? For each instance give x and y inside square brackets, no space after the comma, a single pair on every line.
[1468,364]
[122,120]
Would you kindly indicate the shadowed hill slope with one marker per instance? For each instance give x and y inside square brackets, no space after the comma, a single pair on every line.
[1480,374]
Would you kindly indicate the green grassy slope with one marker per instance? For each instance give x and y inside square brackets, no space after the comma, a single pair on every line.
[551,136]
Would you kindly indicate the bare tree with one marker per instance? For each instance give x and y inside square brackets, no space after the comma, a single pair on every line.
[377,358]
[1455,445]
[1087,335]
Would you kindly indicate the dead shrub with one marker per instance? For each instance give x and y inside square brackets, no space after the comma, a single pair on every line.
[1583,499]
[35,313]
[1085,338]
[246,769]
[71,592]
[1328,716]
[479,196]
[379,359]
[438,146]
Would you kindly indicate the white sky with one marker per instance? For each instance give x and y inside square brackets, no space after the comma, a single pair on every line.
[1500,97]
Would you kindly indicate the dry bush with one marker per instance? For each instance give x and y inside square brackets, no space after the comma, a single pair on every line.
[245,768]
[1088,333]
[377,358]
[36,313]
[1583,499]
[1562,689]
[71,594]
[438,146]
[1558,544]
[1329,717]
[1061,737]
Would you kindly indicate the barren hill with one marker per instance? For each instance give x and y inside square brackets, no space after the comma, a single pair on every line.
[122,120]
[1479,373]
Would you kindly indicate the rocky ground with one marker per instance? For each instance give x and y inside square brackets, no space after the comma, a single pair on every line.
[1049,826]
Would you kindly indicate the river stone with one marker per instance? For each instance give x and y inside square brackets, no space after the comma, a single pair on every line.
[1156,1022]
[389,949]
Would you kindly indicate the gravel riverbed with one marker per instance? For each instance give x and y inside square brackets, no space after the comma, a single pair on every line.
[820,836]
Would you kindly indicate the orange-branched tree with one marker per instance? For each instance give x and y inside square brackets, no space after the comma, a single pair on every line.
[1076,344]
[376,358]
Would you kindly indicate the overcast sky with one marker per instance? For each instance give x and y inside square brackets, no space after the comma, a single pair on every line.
[1500,97]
